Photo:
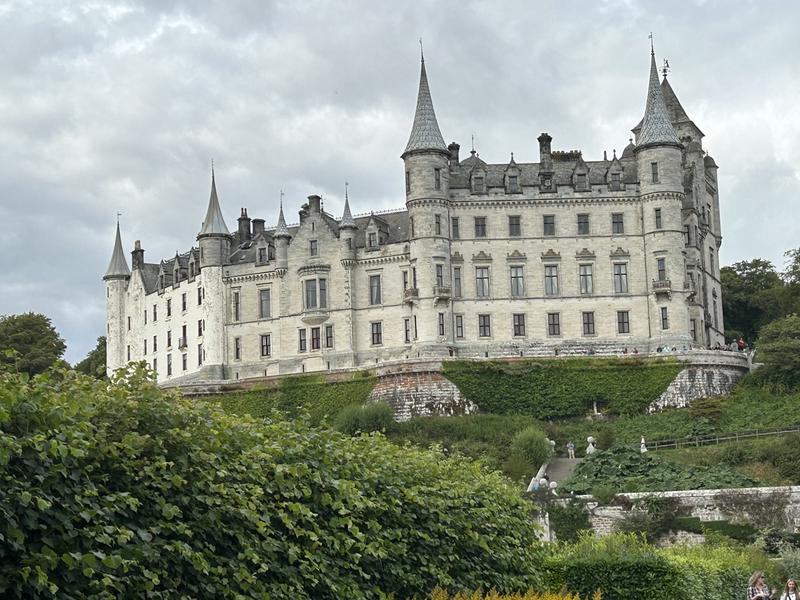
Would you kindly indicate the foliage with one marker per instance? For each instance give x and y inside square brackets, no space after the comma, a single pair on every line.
[94,365]
[558,388]
[298,395]
[33,342]
[761,509]
[440,594]
[631,470]
[604,493]
[653,516]
[125,490]
[779,349]
[365,418]
[749,290]
[531,446]
[790,556]
[568,519]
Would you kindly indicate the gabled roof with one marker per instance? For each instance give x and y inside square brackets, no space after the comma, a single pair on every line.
[213,224]
[657,127]
[118,265]
[425,133]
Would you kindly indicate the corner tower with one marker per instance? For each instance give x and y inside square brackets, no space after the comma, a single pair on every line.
[427,181]
[116,277]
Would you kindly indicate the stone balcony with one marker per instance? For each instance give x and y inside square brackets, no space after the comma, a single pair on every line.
[410,295]
[315,316]
[442,293]
[661,286]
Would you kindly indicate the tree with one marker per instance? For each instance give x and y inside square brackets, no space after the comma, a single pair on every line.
[94,364]
[779,349]
[752,295]
[792,273]
[34,342]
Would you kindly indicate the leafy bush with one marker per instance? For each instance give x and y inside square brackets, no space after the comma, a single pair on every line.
[440,594]
[125,490]
[568,520]
[531,446]
[604,493]
[779,348]
[559,388]
[365,418]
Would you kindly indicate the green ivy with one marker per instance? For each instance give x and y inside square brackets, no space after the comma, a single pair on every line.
[559,388]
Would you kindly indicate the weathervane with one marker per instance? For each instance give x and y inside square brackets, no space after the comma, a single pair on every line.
[665,68]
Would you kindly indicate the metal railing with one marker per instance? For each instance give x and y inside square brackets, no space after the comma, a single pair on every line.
[705,440]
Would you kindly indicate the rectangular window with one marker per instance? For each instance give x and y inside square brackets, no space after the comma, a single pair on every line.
[482,282]
[620,278]
[519,325]
[236,306]
[169,365]
[323,293]
[182,342]
[155,365]
[264,304]
[617,223]
[623,321]
[460,327]
[377,334]
[616,182]
[199,296]
[715,314]
[549,224]
[553,324]
[169,339]
[411,222]
[129,323]
[372,241]
[480,226]
[129,351]
[658,218]
[583,224]
[478,185]
[374,289]
[661,265]
[199,354]
[155,343]
[440,275]
[693,329]
[454,228]
[484,326]
[513,183]
[441,324]
[184,361]
[457,282]
[437,225]
[517,282]
[315,338]
[711,260]
[407,330]
[145,316]
[301,340]
[405,280]
[687,235]
[414,277]
[262,255]
[183,302]
[580,181]
[514,226]
[237,348]
[169,307]
[585,273]
[313,249]
[551,280]
[437,179]
[588,323]
[415,327]
[145,347]
[654,171]
[155,313]
[329,336]
[311,293]
[408,182]
[199,327]
[664,318]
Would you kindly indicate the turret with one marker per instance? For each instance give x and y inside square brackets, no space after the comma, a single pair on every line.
[116,277]
[347,230]
[281,237]
[214,237]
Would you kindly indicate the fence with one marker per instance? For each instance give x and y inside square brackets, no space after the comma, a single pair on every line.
[718,438]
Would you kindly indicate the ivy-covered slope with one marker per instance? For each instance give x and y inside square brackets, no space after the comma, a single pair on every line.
[559,388]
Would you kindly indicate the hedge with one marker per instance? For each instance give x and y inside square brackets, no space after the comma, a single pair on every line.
[558,388]
[121,489]
[494,595]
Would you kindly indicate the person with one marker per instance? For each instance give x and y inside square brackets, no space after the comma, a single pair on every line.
[590,448]
[757,588]
[740,345]
[570,449]
[790,591]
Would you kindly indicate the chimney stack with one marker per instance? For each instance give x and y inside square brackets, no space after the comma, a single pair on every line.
[314,203]
[454,148]
[137,256]
[244,227]
[258,227]
[544,151]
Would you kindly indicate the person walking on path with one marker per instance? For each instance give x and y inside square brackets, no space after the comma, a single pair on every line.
[570,449]
[757,588]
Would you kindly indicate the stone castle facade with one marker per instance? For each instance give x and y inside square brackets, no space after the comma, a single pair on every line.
[562,255]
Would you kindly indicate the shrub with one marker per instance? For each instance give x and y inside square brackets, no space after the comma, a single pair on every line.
[365,418]
[125,490]
[568,520]
[439,594]
[604,493]
[531,446]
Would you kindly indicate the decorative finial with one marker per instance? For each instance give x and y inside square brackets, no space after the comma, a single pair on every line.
[630,139]
[512,156]
[346,185]
[212,167]
[281,199]
[652,50]
[119,214]
[421,53]
[473,144]
[615,153]
[665,68]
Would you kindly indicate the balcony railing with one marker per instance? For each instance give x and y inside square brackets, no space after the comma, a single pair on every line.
[662,285]
[442,291]
[410,294]
[182,343]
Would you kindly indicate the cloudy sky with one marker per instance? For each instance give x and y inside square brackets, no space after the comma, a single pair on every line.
[121,106]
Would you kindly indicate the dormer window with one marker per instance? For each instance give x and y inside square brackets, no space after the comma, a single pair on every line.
[162,279]
[616,182]
[262,255]
[580,181]
[372,240]
[313,249]
[478,184]
[512,184]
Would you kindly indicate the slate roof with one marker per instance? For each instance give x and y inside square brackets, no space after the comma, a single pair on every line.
[657,127]
[213,224]
[118,265]
[425,133]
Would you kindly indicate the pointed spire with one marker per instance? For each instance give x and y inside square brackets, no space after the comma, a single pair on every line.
[657,128]
[347,218]
[674,108]
[425,133]
[213,224]
[281,230]
[118,266]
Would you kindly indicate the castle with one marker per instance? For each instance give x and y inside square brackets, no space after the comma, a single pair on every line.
[562,255]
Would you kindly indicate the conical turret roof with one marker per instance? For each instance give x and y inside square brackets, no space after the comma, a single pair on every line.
[347,217]
[425,134]
[281,230]
[118,266]
[657,128]
[213,224]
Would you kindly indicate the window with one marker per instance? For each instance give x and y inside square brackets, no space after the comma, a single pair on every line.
[169,307]
[580,181]
[517,282]
[620,278]
[407,330]
[199,327]
[182,342]
[145,347]
[405,280]
[658,218]
[411,222]
[693,329]
[415,327]
[583,224]
[264,302]
[329,336]
[585,273]
[377,334]
[155,364]
[553,324]
[374,289]
[457,282]
[623,321]
[408,183]
[372,240]
[440,275]
[715,314]
[323,293]
[183,302]
[169,365]
[480,226]
[664,318]
[551,280]
[315,338]
[661,265]
[482,282]
[654,171]
[617,224]
[437,224]
[484,326]
[616,182]
[478,185]
[184,361]
[514,226]
[519,325]
[311,293]
[236,306]
[454,228]
[441,324]
[588,323]
[199,354]
[145,316]
[301,340]
[316,293]
[437,179]
[262,255]
[237,348]
[513,183]
[460,327]
[129,323]
[687,235]
[155,343]
[169,339]
[549,224]
[129,351]
[200,296]
[711,260]
[155,313]
[414,277]
[313,249]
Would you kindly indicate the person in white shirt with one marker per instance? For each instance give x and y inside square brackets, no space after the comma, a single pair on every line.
[790,591]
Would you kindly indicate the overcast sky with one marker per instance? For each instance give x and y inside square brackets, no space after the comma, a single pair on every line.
[108,107]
